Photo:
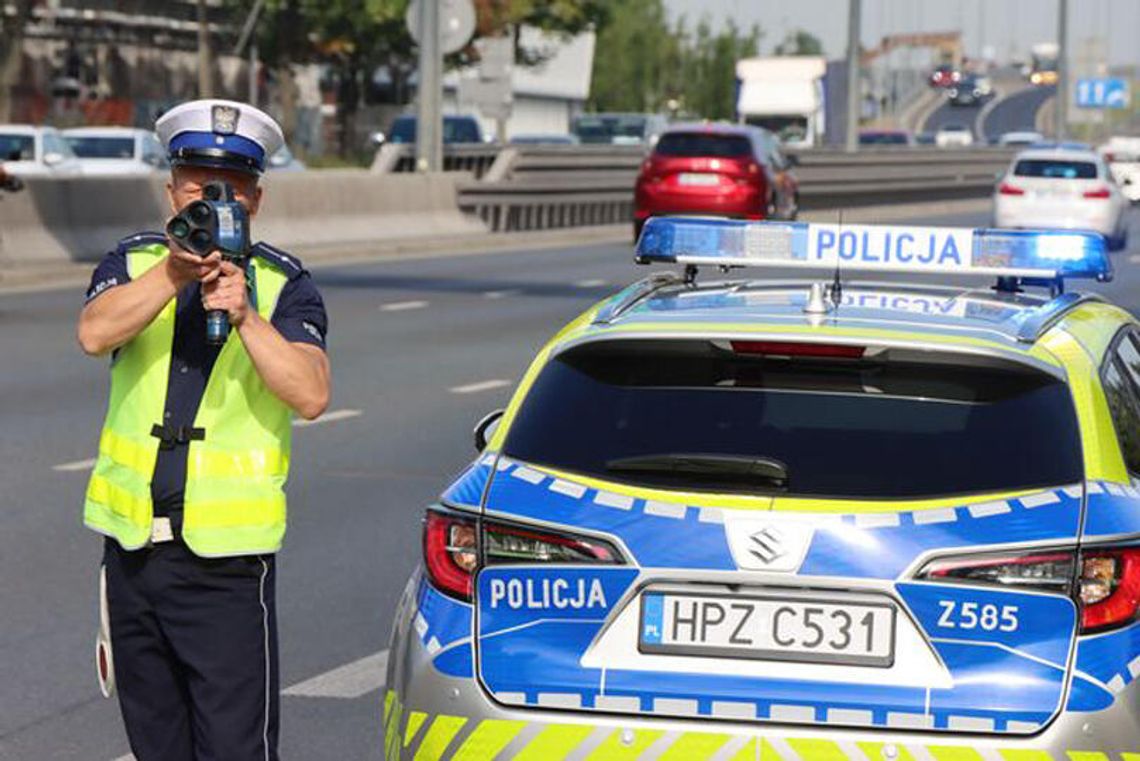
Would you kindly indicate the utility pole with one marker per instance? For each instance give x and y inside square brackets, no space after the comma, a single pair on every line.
[1062,97]
[247,37]
[205,80]
[429,106]
[854,15]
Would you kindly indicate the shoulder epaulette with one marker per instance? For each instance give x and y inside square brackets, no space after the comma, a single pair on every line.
[288,263]
[138,240]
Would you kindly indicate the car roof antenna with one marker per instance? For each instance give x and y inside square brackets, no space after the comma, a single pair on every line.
[836,291]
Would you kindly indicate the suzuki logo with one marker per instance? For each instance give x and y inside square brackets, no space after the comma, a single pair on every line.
[767,545]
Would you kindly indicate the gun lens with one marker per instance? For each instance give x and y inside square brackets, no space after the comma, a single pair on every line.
[179,227]
[199,212]
[213,191]
[201,241]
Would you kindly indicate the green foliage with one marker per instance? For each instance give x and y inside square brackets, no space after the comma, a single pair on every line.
[800,42]
[641,64]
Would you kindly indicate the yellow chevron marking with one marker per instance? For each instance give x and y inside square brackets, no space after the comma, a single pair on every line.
[613,749]
[694,745]
[388,698]
[1026,755]
[748,752]
[553,742]
[438,737]
[874,751]
[415,720]
[817,750]
[1087,755]
[954,753]
[490,737]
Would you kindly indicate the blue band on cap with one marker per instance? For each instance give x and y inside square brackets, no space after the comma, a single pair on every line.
[236,144]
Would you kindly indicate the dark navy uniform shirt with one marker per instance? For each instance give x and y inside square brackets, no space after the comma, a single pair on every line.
[299,316]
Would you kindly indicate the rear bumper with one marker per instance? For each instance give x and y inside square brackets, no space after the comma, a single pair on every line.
[428,714]
[1017,212]
[744,201]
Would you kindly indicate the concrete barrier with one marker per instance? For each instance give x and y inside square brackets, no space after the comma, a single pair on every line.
[54,221]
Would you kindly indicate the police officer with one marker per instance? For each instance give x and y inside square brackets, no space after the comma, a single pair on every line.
[194,453]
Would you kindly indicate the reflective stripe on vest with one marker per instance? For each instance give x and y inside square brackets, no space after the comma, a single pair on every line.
[234,499]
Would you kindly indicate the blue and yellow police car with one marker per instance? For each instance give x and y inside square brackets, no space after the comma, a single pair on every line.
[815,518]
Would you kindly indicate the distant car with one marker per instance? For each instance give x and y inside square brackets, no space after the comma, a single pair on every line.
[545,139]
[954,136]
[29,151]
[885,137]
[924,138]
[284,161]
[944,76]
[116,151]
[619,128]
[456,129]
[1061,189]
[1020,138]
[970,90]
[725,170]
[1122,154]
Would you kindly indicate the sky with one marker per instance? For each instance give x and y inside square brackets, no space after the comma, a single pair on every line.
[1009,26]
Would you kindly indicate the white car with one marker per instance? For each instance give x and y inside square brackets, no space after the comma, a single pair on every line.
[954,136]
[116,151]
[29,151]
[1123,157]
[1020,138]
[1058,188]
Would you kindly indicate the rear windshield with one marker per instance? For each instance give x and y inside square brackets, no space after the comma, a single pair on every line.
[856,430]
[605,129]
[17,147]
[696,144]
[1056,169]
[882,138]
[102,147]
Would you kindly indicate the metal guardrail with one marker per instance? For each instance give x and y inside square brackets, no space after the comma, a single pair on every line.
[539,187]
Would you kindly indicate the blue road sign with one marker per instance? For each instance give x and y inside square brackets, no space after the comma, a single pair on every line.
[1102,92]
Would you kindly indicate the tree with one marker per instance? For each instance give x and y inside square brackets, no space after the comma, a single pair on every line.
[11,52]
[800,42]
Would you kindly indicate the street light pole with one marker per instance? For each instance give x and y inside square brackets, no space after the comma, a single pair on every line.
[429,141]
[205,79]
[1062,97]
[854,16]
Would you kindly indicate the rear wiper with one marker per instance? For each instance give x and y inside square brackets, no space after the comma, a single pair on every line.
[718,467]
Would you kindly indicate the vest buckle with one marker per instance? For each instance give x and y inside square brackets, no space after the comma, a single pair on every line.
[169,435]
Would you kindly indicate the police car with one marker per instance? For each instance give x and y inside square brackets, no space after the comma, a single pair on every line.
[797,519]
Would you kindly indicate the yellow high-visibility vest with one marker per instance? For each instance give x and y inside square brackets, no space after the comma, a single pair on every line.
[234,499]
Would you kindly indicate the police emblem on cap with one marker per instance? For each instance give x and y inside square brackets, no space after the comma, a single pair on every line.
[224,119]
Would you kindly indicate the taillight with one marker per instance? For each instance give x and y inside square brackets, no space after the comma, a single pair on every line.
[451,552]
[1010,190]
[1107,587]
[1101,192]
[795,349]
[1043,571]
[516,544]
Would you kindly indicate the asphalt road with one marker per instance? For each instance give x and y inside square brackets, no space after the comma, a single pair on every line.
[1017,113]
[948,113]
[420,350]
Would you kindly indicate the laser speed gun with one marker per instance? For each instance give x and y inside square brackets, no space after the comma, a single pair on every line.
[217,222]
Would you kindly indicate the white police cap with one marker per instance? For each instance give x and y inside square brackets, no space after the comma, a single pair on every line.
[223,134]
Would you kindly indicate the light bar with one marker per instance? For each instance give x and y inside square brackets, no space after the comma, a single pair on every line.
[1035,254]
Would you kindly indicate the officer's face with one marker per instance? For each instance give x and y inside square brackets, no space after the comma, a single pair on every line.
[186,183]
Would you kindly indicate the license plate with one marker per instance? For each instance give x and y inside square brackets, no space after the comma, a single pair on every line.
[768,628]
[697,178]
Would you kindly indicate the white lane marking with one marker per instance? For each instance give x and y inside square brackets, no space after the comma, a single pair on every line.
[501,294]
[328,417]
[402,306]
[592,283]
[128,757]
[474,388]
[1135,258]
[352,680]
[67,467]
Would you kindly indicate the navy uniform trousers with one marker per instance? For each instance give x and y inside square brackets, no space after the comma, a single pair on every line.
[194,642]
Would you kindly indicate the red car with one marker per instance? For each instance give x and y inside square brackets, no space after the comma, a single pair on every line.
[716,169]
[945,75]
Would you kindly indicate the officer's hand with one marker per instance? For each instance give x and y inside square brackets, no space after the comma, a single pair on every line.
[227,292]
[185,267]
